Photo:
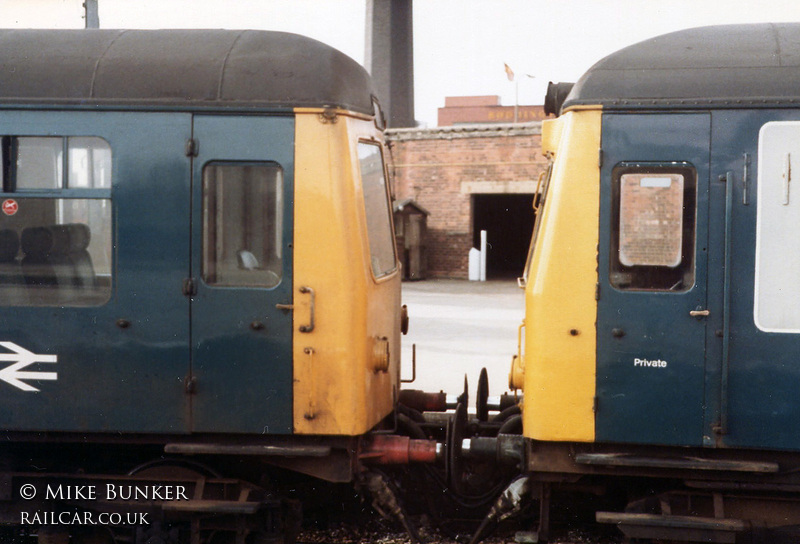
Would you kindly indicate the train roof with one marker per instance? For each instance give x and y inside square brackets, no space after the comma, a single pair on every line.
[184,68]
[732,65]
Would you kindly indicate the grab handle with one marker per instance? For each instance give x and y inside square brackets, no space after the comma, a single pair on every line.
[309,291]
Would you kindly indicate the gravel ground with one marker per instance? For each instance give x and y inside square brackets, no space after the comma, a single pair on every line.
[355,534]
[359,524]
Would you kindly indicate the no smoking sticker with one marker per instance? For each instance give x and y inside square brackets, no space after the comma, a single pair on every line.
[10,206]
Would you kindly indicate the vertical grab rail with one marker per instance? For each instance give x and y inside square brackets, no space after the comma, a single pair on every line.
[726,313]
[309,291]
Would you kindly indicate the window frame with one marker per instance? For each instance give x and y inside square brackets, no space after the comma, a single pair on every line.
[538,203]
[389,208]
[206,245]
[655,278]
[775,266]
[59,194]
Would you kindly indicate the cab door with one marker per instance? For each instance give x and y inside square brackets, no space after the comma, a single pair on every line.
[241,277]
[652,312]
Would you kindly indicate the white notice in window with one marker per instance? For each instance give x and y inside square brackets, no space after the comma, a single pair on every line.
[651,219]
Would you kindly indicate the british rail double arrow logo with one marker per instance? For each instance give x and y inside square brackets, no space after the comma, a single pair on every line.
[13,374]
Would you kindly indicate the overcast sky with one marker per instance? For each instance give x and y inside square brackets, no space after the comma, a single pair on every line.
[460,45]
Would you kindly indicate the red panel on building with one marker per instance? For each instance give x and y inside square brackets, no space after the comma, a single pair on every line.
[459,110]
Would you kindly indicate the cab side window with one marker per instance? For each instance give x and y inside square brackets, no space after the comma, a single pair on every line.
[653,227]
[378,211]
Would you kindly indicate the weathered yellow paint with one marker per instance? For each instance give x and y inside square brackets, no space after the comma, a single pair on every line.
[551,134]
[561,310]
[337,390]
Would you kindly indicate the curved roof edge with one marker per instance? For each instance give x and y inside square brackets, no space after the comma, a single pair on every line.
[717,66]
[218,68]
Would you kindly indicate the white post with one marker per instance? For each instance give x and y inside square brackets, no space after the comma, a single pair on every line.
[474,264]
[483,256]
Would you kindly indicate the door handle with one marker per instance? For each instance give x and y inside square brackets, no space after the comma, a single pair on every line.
[699,313]
[287,307]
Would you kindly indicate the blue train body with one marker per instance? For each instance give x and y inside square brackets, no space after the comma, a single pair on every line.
[183,216]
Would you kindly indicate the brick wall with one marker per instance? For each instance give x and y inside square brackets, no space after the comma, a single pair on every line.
[441,168]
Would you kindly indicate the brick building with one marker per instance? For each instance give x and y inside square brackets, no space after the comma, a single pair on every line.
[459,110]
[470,178]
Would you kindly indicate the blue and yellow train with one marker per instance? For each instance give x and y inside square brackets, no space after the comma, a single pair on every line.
[660,345]
[200,290]
[198,277]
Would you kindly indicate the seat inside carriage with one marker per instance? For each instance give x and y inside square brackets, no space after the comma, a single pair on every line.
[10,272]
[54,268]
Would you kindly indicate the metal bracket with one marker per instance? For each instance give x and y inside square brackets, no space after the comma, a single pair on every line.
[413,365]
[329,115]
[192,147]
[189,287]
[311,411]
[190,384]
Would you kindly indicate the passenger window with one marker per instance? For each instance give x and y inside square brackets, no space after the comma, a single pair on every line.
[55,245]
[376,202]
[653,227]
[777,253]
[89,163]
[38,163]
[242,224]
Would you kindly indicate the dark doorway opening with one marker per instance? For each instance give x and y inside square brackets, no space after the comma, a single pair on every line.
[508,222]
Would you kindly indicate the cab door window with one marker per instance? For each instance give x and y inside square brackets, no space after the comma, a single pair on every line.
[242,224]
[653,227]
